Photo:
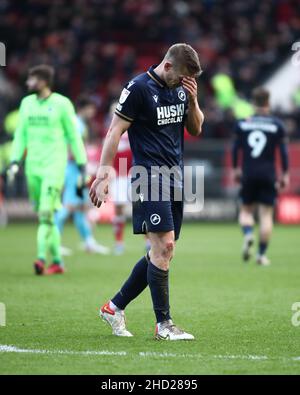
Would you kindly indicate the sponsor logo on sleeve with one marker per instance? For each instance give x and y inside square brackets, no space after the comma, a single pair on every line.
[119,107]
[125,93]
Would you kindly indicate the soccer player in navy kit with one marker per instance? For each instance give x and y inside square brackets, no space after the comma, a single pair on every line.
[154,107]
[258,138]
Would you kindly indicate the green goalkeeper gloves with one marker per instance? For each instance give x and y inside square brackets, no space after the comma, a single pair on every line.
[12,171]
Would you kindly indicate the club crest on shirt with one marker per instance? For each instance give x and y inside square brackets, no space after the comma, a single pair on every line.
[182,95]
[125,93]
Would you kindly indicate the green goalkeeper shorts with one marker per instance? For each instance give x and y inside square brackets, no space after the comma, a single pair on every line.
[44,196]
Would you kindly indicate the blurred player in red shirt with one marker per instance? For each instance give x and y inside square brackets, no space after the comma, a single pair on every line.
[119,191]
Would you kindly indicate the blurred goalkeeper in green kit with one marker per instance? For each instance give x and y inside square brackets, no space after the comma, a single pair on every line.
[46,127]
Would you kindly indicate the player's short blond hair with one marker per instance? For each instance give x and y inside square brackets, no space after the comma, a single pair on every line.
[183,55]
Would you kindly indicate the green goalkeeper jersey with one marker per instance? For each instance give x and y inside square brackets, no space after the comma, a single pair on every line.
[46,127]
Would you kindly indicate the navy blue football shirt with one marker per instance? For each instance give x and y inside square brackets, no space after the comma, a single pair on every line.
[158,115]
[258,137]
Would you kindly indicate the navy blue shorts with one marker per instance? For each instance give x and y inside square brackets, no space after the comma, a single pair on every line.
[157,216]
[258,190]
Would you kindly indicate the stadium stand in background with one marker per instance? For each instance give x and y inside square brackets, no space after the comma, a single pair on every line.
[96,45]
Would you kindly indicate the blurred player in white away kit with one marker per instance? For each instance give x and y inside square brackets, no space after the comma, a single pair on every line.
[120,188]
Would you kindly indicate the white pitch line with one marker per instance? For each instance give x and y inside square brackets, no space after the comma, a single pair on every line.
[249,357]
[170,355]
[13,349]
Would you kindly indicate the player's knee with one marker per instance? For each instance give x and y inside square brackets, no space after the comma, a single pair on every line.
[46,217]
[162,252]
[246,216]
[167,251]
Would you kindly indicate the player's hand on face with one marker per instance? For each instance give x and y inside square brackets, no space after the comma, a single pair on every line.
[99,191]
[190,85]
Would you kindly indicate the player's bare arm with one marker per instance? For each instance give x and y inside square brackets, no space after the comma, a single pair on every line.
[195,117]
[237,171]
[99,189]
[284,179]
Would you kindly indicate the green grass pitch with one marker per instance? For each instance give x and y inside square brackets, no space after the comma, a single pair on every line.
[239,313]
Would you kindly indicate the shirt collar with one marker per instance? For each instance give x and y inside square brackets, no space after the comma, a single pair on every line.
[44,99]
[155,77]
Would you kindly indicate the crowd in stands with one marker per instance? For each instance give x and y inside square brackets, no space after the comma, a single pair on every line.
[97,45]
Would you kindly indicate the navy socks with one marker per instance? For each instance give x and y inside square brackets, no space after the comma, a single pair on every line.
[145,273]
[158,281]
[262,248]
[135,284]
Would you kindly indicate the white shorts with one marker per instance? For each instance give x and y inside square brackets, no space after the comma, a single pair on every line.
[120,190]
